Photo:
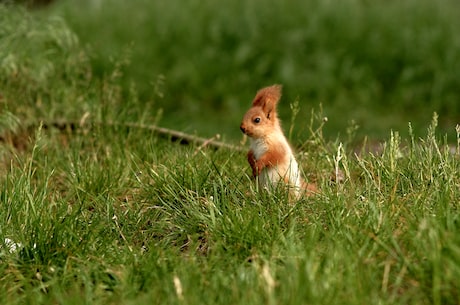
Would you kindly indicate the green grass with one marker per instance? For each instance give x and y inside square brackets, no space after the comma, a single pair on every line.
[375,64]
[104,214]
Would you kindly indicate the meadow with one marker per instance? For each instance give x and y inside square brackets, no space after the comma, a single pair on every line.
[373,65]
[95,210]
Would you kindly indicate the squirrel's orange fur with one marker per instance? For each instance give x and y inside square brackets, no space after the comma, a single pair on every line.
[270,156]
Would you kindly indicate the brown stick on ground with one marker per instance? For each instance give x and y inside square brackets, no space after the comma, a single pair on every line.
[173,135]
[183,138]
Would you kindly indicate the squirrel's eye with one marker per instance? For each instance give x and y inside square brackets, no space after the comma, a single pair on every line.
[257,120]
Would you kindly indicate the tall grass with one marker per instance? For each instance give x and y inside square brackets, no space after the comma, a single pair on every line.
[119,217]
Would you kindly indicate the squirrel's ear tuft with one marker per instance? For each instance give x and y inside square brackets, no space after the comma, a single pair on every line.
[272,93]
[267,98]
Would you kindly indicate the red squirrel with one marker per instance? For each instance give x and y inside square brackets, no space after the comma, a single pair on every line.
[270,156]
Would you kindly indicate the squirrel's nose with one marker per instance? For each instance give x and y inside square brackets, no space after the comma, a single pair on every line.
[242,128]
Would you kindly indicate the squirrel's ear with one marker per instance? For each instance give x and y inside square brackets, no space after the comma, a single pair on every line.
[267,98]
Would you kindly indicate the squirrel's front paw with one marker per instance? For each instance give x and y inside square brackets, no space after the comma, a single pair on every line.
[255,172]
[256,169]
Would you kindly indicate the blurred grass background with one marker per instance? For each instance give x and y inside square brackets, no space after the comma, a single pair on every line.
[370,65]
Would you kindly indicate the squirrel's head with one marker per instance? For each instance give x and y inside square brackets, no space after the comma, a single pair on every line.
[262,118]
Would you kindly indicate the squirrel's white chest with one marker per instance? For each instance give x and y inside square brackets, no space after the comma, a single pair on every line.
[258,147]
[288,170]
